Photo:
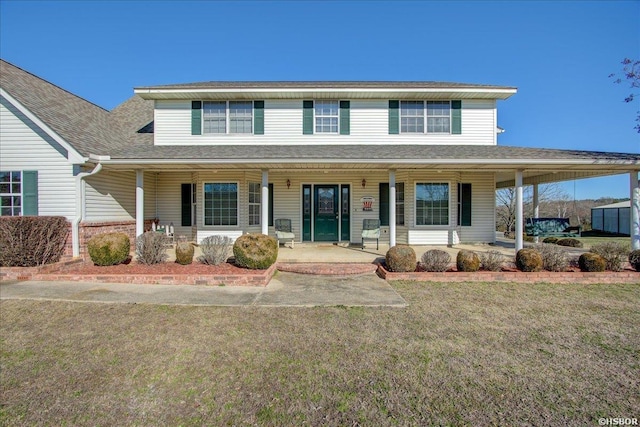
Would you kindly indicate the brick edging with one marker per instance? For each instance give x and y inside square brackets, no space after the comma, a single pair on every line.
[578,277]
[56,272]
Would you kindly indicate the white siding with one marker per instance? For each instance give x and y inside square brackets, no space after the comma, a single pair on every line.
[22,148]
[169,200]
[283,125]
[483,200]
[110,196]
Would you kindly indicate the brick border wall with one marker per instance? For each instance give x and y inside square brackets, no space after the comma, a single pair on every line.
[578,277]
[59,272]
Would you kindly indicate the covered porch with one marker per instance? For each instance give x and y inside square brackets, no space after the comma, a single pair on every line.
[411,183]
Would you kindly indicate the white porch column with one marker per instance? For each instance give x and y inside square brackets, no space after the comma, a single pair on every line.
[139,202]
[264,205]
[519,211]
[635,210]
[536,205]
[392,208]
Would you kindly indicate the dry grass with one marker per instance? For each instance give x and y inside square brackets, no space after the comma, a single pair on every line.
[460,354]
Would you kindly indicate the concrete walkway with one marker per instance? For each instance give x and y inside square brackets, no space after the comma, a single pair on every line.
[284,290]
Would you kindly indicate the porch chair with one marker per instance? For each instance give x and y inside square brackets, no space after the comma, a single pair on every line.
[371,230]
[284,231]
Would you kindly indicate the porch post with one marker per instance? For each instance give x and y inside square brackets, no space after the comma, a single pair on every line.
[264,205]
[392,208]
[536,205]
[519,210]
[635,210]
[139,202]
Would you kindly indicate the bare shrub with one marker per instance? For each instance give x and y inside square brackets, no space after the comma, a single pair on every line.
[28,241]
[215,250]
[492,260]
[554,258]
[150,248]
[614,253]
[435,260]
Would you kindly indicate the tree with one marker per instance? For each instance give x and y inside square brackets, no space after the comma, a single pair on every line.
[553,201]
[631,71]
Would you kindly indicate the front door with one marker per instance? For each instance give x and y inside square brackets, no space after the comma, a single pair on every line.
[326,218]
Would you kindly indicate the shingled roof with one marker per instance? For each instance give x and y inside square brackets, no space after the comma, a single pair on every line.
[81,123]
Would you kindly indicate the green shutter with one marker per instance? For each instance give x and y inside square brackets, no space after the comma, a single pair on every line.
[307,117]
[258,117]
[186,204]
[464,205]
[456,117]
[270,223]
[394,117]
[196,117]
[30,193]
[344,117]
[384,203]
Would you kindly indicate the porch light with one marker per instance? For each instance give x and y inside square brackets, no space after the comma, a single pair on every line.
[288,183]
[364,182]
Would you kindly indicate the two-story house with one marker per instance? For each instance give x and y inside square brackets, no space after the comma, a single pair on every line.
[227,158]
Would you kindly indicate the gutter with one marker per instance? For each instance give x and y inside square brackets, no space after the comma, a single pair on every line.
[75,227]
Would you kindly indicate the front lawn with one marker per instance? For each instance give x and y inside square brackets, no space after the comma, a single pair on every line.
[460,354]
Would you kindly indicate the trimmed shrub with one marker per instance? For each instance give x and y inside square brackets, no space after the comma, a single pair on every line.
[591,262]
[468,261]
[614,253]
[435,260]
[150,248]
[109,248]
[554,258]
[492,260]
[528,260]
[28,241]
[401,259]
[184,253]
[255,251]
[550,240]
[634,259]
[570,241]
[215,249]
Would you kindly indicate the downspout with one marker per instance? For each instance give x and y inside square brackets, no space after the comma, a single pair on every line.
[75,228]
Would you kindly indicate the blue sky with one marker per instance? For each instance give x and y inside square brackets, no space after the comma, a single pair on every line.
[558,54]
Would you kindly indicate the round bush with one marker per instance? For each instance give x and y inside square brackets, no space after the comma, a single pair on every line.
[468,261]
[401,259]
[634,259]
[550,240]
[528,260]
[255,251]
[571,242]
[109,248]
[184,253]
[435,260]
[589,261]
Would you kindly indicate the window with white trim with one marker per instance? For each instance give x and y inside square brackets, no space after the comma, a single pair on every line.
[254,203]
[326,116]
[432,203]
[227,117]
[438,116]
[413,116]
[10,193]
[221,203]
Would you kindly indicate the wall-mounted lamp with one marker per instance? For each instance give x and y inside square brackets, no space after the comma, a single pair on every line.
[288,183]
[364,182]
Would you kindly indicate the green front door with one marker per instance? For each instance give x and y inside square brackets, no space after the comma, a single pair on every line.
[326,218]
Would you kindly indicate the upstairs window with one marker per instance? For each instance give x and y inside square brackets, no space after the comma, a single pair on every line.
[431,117]
[326,114]
[227,117]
